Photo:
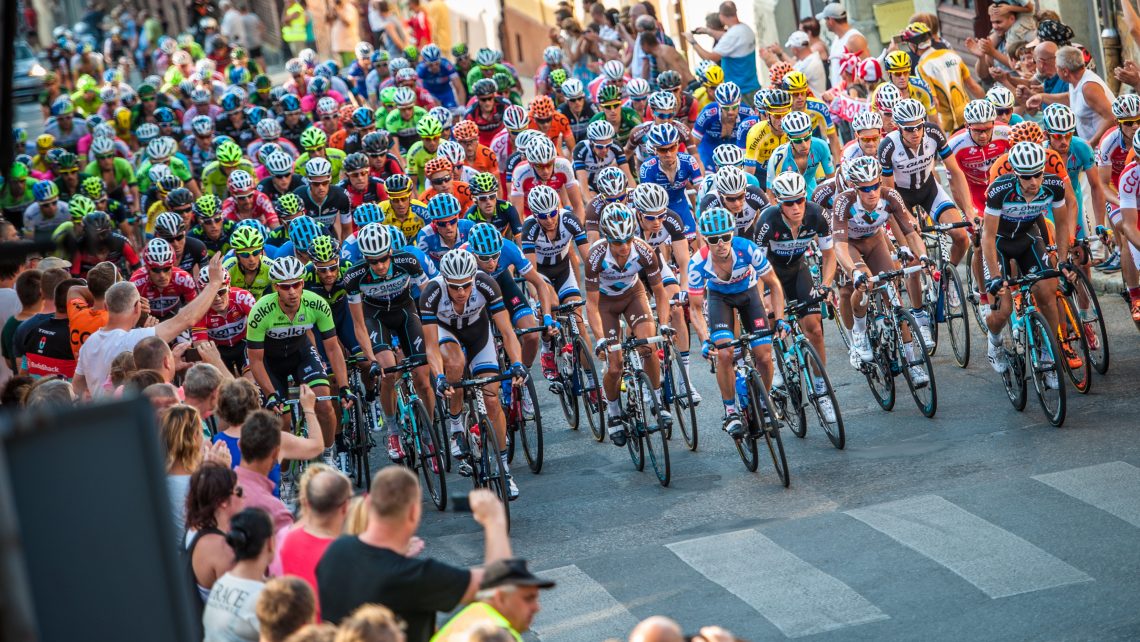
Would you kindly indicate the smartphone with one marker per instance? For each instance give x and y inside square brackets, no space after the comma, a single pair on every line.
[191,355]
[460,503]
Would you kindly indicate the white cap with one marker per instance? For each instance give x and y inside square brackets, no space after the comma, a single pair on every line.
[798,39]
[834,10]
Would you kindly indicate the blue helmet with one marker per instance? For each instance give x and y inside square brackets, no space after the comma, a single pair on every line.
[399,241]
[727,93]
[302,231]
[367,213]
[289,102]
[363,117]
[663,135]
[164,115]
[431,53]
[443,206]
[485,240]
[45,191]
[239,76]
[231,102]
[256,114]
[255,224]
[716,221]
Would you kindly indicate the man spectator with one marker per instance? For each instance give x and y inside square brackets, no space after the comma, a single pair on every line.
[803,59]
[507,597]
[44,341]
[201,386]
[294,26]
[161,396]
[326,497]
[662,629]
[372,568]
[232,27]
[87,305]
[994,50]
[260,446]
[662,56]
[29,288]
[124,311]
[848,39]
[10,304]
[254,30]
[640,59]
[1088,95]
[734,51]
[284,606]
[418,23]
[152,353]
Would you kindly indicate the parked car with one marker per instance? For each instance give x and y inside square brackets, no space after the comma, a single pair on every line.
[27,79]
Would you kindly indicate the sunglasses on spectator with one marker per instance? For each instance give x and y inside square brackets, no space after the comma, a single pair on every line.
[867,189]
[290,286]
[443,180]
[459,287]
[718,239]
[248,255]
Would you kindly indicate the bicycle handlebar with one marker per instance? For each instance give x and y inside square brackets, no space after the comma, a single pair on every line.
[410,363]
[886,276]
[797,307]
[1030,279]
[481,381]
[629,344]
[945,227]
[569,307]
[294,402]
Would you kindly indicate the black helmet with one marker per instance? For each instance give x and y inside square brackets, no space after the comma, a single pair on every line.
[355,161]
[376,142]
[97,224]
[484,87]
[180,197]
[668,80]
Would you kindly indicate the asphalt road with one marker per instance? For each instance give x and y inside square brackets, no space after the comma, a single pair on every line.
[981,523]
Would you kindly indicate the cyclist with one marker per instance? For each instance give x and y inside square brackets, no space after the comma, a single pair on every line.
[1016,207]
[868,129]
[504,144]
[622,118]
[315,142]
[359,183]
[478,156]
[328,204]
[489,208]
[245,202]
[278,345]
[725,121]
[440,77]
[674,170]
[212,229]
[401,122]
[725,156]
[802,100]
[977,146]
[198,145]
[458,308]
[94,189]
[99,242]
[1061,125]
[613,75]
[381,161]
[248,268]
[662,108]
[731,191]
[553,240]
[233,122]
[401,209]
[215,176]
[1004,102]
[1127,221]
[1112,154]
[445,230]
[731,273]
[47,213]
[325,275]
[293,121]
[282,179]
[544,167]
[545,119]
[1054,164]
[600,151]
[189,253]
[444,177]
[767,134]
[488,109]
[430,131]
[803,153]
[900,73]
[116,174]
[224,323]
[165,287]
[577,109]
[613,187]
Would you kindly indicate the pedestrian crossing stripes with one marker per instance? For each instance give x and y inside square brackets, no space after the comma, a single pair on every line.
[1113,487]
[580,608]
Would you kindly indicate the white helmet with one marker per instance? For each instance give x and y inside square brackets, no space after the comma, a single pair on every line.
[796,124]
[1126,106]
[286,269]
[638,88]
[789,186]
[1000,96]
[616,223]
[240,182]
[979,111]
[552,55]
[887,96]
[727,155]
[1059,119]
[158,253]
[204,277]
[443,115]
[168,223]
[458,265]
[268,129]
[160,148]
[865,169]
[102,145]
[611,182]
[404,96]
[909,110]
[541,151]
[374,240]
[650,197]
[730,180]
[600,130]
[1027,158]
[542,199]
[663,101]
[326,105]
[865,120]
[515,118]
[318,168]
[452,151]
[363,50]
[204,125]
[573,88]
[613,69]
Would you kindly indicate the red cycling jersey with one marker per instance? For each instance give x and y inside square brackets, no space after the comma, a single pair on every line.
[976,160]
[1113,150]
[226,328]
[262,210]
[166,302]
[524,179]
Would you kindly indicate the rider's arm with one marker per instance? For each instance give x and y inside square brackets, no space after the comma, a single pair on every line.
[574,195]
[360,330]
[593,316]
[545,293]
[257,367]
[700,324]
[431,347]
[502,320]
[989,244]
[196,309]
[336,360]
[1096,190]
[1110,194]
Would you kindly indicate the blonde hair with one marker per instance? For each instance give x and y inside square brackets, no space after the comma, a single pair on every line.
[357,520]
[370,623]
[181,427]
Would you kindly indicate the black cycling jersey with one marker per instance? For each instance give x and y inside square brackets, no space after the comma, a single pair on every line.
[388,291]
[194,253]
[505,219]
[783,249]
[337,296]
[243,135]
[1019,215]
[335,205]
[293,134]
[220,244]
[754,202]
[267,187]
[436,307]
[552,252]
[588,160]
[579,123]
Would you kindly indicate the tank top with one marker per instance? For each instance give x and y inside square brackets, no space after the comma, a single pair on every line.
[1088,121]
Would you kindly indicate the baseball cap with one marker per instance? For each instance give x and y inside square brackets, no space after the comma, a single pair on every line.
[834,10]
[511,572]
[798,39]
[52,262]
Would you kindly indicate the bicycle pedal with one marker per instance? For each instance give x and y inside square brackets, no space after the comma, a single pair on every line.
[556,387]
[465,470]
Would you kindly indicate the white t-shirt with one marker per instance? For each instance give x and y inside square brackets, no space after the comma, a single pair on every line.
[9,307]
[231,611]
[812,67]
[100,350]
[736,42]
[838,48]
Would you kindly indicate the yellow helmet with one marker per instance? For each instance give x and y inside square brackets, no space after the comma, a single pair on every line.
[918,28]
[898,62]
[795,82]
[44,142]
[714,75]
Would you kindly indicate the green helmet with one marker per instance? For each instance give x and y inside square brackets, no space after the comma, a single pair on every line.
[503,80]
[207,206]
[314,138]
[412,53]
[67,160]
[289,205]
[146,90]
[80,206]
[93,188]
[323,249]
[484,183]
[429,127]
[229,153]
[557,77]
[608,94]
[388,97]
[246,238]
[459,50]
[261,82]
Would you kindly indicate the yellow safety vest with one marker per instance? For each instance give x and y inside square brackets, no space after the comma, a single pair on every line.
[472,614]
[293,26]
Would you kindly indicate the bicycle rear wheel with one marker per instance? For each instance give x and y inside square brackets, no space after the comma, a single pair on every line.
[925,393]
[954,311]
[815,374]
[679,389]
[787,400]
[1095,331]
[653,429]
[588,386]
[1042,361]
[529,431]
[1071,340]
[494,477]
[769,427]
[427,452]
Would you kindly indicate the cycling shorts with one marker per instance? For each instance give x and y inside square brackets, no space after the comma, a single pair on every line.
[631,304]
[1026,251]
[235,358]
[797,284]
[479,346]
[304,365]
[874,251]
[562,278]
[752,315]
[517,303]
[930,196]
[396,328]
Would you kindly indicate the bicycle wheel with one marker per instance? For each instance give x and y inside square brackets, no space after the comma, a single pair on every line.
[880,374]
[972,291]
[1042,361]
[440,424]
[530,430]
[1071,340]
[680,398]
[360,445]
[954,311]
[769,427]
[818,387]
[1014,376]
[1095,331]
[588,386]
[930,307]
[494,477]
[746,446]
[427,452]
[787,400]
[925,393]
[653,429]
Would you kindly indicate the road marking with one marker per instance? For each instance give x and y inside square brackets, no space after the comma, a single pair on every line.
[580,608]
[989,557]
[792,594]
[1113,487]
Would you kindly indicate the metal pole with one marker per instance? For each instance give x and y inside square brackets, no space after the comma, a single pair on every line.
[9,20]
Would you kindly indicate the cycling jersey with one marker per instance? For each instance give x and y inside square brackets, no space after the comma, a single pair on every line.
[387,291]
[220,244]
[489,124]
[946,74]
[709,185]
[269,328]
[510,256]
[436,308]
[194,255]
[586,159]
[334,156]
[505,219]
[438,82]
[242,134]
[748,265]
[552,252]
[432,244]
[1081,158]
[226,328]
[825,192]
[912,169]
[404,131]
[335,205]
[682,178]
[604,274]
[525,178]
[199,156]
[709,131]
[1019,215]
[214,180]
[1113,152]
[116,249]
[628,119]
[267,187]
[257,285]
[579,123]
[784,249]
[177,167]
[754,202]
[412,224]
[43,344]
[261,209]
[851,221]
[639,138]
[166,301]
[1130,187]
[817,163]
[976,160]
[374,192]
[761,141]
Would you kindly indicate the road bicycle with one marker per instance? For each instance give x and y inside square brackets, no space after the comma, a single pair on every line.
[522,426]
[578,380]
[1031,350]
[676,389]
[421,439]
[357,424]
[645,427]
[806,382]
[944,299]
[482,463]
[827,311]
[292,469]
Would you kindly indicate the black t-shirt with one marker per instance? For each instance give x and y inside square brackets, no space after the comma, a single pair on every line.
[352,573]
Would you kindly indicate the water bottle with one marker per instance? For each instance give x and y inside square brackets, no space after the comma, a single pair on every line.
[940,305]
[505,392]
[741,388]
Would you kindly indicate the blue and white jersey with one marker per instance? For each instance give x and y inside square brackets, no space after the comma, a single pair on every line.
[438,83]
[710,132]
[432,245]
[749,264]
[687,172]
[819,163]
[510,256]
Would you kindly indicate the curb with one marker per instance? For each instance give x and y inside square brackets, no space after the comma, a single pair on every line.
[1107,283]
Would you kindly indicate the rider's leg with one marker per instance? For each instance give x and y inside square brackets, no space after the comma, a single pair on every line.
[812,325]
[453,364]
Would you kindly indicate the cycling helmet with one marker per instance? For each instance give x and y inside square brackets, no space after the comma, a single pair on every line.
[867,120]
[557,77]
[429,127]
[542,107]
[146,132]
[794,82]
[204,277]
[268,129]
[164,115]
[323,249]
[713,75]
[977,112]
[552,55]
[484,87]
[613,70]
[314,138]
[158,253]
[229,154]
[65,160]
[796,124]
[515,118]
[599,131]
[503,80]
[485,57]
[542,199]
[716,221]
[611,182]
[438,164]
[404,97]
[541,151]
[915,33]
[573,88]
[442,114]
[669,80]
[318,86]
[364,51]
[168,183]
[1126,106]
[609,94]
[663,135]
[526,137]
[246,238]
[180,197]
[108,94]
[864,169]
[458,265]
[399,241]
[102,146]
[318,168]
[286,269]
[231,102]
[240,183]
[98,224]
[898,62]
[443,206]
[1001,97]
[465,130]
[168,224]
[650,197]
[93,188]
[431,53]
[887,97]
[1026,131]
[728,155]
[616,223]
[363,117]
[730,180]
[638,89]
[909,110]
[777,101]
[1059,119]
[207,206]
[397,64]
[279,164]
[355,161]
[484,183]
[789,186]
[203,125]
[375,143]
[485,240]
[161,148]
[398,185]
[1027,158]
[366,213]
[80,206]
[288,206]
[45,142]
[290,104]
[326,106]
[45,191]
[406,74]
[663,101]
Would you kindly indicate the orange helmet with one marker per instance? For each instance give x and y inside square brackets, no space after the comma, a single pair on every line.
[465,130]
[1026,131]
[776,73]
[345,113]
[542,107]
[436,165]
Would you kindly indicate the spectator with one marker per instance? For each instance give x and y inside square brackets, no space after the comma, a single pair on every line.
[325,497]
[1088,95]
[386,28]
[811,27]
[489,633]
[734,51]
[345,31]
[294,26]
[44,341]
[152,353]
[181,431]
[15,392]
[848,39]
[161,395]
[439,18]
[254,30]
[664,56]
[260,446]
[507,597]
[285,606]
[657,629]
[418,24]
[323,632]
[231,610]
[122,368]
[29,289]
[805,60]
[124,309]
[54,394]
[10,304]
[140,380]
[232,27]
[87,304]
[370,623]
[200,387]
[214,498]
[372,568]
[357,520]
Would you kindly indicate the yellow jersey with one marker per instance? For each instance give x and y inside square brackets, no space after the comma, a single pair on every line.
[761,142]
[411,226]
[918,90]
[945,73]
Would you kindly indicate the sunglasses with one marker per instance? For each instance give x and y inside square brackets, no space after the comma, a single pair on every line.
[377,260]
[543,121]
[213,220]
[490,258]
[610,106]
[1131,122]
[577,100]
[441,181]
[248,255]
[71,170]
[177,238]
[243,197]
[601,144]
[327,269]
[459,287]
[867,189]
[486,99]
[545,216]
[1030,177]
[663,115]
[484,198]
[312,183]
[1061,136]
[290,286]
[733,199]
[222,293]
[718,239]
[911,128]
[358,174]
[982,130]
[104,156]
[870,139]
[651,218]
[161,270]
[797,141]
[447,222]
[794,201]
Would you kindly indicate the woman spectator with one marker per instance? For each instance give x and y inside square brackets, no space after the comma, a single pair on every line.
[122,367]
[370,623]
[214,498]
[181,428]
[579,50]
[231,611]
[810,26]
